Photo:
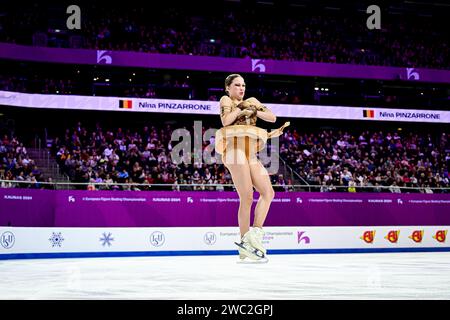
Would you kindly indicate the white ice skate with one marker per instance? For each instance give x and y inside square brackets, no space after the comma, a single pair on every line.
[255,237]
[247,250]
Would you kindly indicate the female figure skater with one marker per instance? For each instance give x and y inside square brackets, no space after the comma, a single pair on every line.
[239,156]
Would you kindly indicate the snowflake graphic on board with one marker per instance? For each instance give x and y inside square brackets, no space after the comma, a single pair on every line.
[56,239]
[106,240]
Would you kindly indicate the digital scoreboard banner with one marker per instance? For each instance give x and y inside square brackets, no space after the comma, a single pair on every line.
[78,208]
[199,107]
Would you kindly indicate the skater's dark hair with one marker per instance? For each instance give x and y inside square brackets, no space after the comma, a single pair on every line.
[230,79]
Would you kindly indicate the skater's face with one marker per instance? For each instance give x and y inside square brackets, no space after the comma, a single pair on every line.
[236,89]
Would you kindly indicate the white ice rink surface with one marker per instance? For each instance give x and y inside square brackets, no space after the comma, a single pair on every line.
[304,276]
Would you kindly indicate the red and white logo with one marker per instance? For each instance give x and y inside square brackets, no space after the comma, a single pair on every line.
[368,236]
[417,236]
[440,235]
[392,236]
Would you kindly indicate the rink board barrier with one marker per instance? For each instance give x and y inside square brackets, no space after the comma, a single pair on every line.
[26,242]
[70,223]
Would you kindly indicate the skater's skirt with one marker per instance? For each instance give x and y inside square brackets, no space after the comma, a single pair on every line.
[249,139]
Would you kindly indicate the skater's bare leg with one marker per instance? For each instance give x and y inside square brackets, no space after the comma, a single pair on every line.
[261,181]
[238,166]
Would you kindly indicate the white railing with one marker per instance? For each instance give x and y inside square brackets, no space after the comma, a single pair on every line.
[197,186]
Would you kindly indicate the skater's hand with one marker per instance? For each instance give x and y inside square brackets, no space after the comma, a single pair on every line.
[247,112]
[243,105]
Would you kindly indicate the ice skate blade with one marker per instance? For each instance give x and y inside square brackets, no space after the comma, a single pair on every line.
[243,257]
[255,256]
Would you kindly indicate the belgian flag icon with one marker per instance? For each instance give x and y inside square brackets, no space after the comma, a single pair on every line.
[125,104]
[369,114]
